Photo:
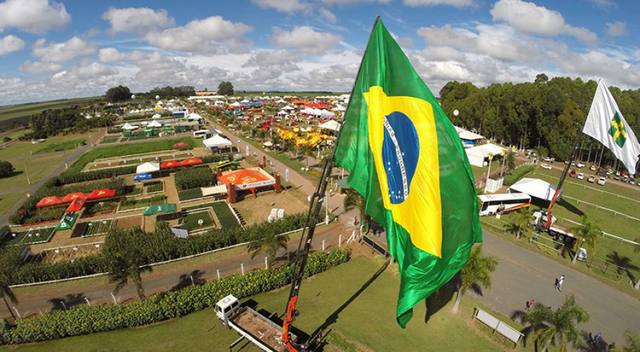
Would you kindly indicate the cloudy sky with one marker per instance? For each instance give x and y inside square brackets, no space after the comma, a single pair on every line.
[57,49]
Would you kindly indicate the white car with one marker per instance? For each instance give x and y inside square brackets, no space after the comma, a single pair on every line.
[591,179]
[593,168]
[545,166]
[580,176]
[548,159]
[580,165]
[602,181]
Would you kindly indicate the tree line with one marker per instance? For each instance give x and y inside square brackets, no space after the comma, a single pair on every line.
[545,114]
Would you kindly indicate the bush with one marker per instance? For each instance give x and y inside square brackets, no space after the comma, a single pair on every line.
[159,247]
[105,317]
[194,178]
[518,173]
[6,168]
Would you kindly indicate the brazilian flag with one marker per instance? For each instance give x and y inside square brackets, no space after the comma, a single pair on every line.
[405,158]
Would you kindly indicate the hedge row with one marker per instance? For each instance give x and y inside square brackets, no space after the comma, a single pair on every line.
[94,175]
[159,247]
[194,178]
[105,317]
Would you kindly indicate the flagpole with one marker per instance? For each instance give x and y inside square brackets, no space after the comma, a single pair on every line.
[317,198]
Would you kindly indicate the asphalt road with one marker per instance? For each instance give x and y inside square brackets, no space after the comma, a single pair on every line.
[522,274]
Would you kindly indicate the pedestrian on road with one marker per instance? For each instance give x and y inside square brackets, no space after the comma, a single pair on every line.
[559,282]
[530,303]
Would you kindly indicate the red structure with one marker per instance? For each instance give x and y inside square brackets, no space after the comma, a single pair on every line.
[172,164]
[76,200]
[251,179]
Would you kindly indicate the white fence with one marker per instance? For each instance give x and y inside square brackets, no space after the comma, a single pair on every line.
[497,325]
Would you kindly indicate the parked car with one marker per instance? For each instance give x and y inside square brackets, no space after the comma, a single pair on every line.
[632,181]
[580,165]
[602,181]
[593,168]
[545,166]
[548,159]
[580,176]
[572,173]
[591,179]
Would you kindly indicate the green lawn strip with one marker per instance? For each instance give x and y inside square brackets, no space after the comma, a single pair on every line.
[97,228]
[368,321]
[190,222]
[142,203]
[107,140]
[60,146]
[127,149]
[497,227]
[224,214]
[189,194]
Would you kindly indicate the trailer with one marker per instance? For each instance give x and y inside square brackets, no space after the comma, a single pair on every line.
[251,325]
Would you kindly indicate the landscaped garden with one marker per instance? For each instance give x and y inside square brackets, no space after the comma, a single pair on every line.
[153,187]
[138,203]
[196,220]
[222,211]
[33,236]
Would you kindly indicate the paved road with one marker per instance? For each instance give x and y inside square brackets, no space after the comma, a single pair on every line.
[34,300]
[523,274]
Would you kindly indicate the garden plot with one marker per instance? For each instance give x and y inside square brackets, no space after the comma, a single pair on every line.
[93,228]
[31,236]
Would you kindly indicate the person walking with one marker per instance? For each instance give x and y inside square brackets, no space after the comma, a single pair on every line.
[559,282]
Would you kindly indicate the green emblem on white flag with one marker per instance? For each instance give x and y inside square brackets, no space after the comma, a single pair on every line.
[617,130]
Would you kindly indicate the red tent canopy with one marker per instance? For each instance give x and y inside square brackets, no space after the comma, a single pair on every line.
[169,164]
[73,196]
[191,161]
[101,193]
[180,145]
[48,201]
[76,205]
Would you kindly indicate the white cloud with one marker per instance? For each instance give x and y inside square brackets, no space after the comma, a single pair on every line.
[39,67]
[603,3]
[304,39]
[616,29]
[328,15]
[10,44]
[34,16]
[84,72]
[354,2]
[283,5]
[528,17]
[60,52]
[205,35]
[136,19]
[455,3]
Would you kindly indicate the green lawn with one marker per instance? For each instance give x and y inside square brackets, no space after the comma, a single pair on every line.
[188,194]
[32,236]
[224,214]
[60,146]
[156,186]
[142,203]
[107,140]
[366,324]
[190,222]
[97,228]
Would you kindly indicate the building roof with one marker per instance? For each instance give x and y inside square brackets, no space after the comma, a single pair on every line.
[534,187]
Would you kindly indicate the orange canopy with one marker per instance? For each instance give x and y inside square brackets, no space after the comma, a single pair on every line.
[48,201]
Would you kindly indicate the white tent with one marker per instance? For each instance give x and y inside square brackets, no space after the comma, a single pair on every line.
[235,105]
[332,125]
[129,127]
[308,111]
[325,114]
[534,187]
[147,167]
[216,141]
[288,108]
[210,191]
[156,116]
[282,113]
[154,123]
[478,154]
[468,135]
[194,117]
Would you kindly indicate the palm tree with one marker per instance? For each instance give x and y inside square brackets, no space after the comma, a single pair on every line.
[125,259]
[556,327]
[633,341]
[9,262]
[520,224]
[268,244]
[477,271]
[588,233]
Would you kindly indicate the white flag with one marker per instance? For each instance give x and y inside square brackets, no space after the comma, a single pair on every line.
[606,124]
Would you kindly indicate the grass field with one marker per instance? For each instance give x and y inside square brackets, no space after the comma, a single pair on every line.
[60,146]
[26,110]
[142,203]
[188,194]
[32,236]
[224,214]
[367,322]
[190,222]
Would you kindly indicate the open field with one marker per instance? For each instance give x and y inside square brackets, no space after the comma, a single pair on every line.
[26,110]
[351,329]
[60,146]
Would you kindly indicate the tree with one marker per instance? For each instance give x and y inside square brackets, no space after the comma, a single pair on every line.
[6,168]
[556,327]
[510,161]
[520,224]
[9,262]
[269,244]
[119,93]
[477,271]
[125,259]
[541,78]
[588,232]
[225,88]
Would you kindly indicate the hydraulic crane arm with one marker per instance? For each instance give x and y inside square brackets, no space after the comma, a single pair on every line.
[300,261]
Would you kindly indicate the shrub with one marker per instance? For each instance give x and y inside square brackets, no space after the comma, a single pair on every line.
[159,247]
[6,168]
[105,317]
[194,178]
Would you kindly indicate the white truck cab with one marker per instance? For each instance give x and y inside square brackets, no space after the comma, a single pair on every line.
[226,307]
